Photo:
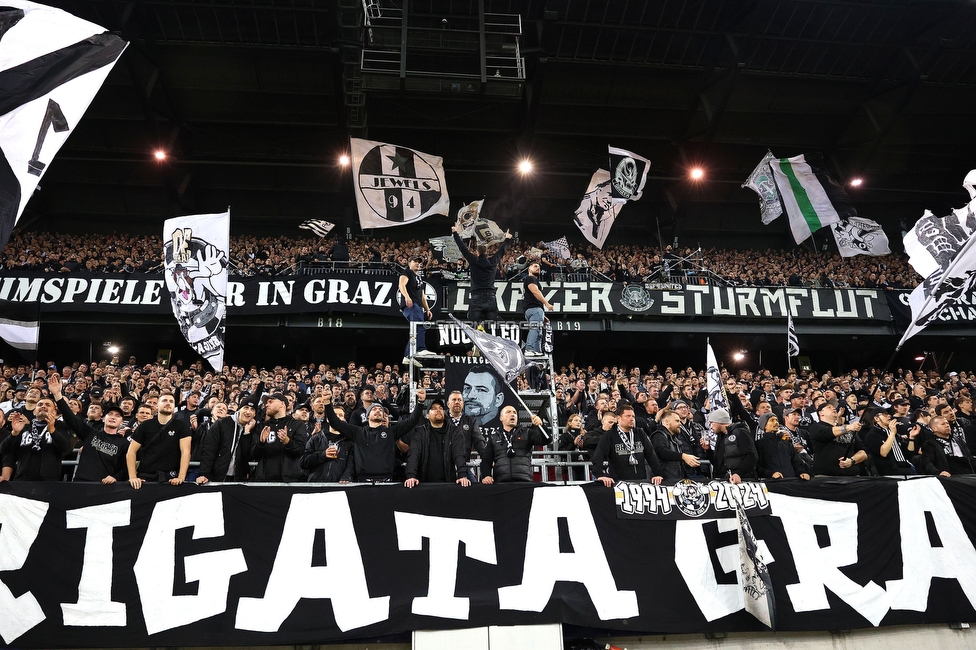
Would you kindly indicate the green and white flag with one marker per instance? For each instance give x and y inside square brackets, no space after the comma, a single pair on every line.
[810,197]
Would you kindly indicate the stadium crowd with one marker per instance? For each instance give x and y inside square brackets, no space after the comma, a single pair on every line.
[355,423]
[250,255]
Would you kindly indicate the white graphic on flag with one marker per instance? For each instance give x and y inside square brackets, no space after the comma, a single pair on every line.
[943,252]
[757,587]
[51,66]
[396,185]
[860,236]
[629,174]
[195,253]
[504,355]
[597,211]
[559,247]
[320,227]
[761,182]
[466,218]
[792,343]
[713,381]
[447,247]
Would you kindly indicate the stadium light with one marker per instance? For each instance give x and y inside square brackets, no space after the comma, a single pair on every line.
[739,356]
[159,155]
[525,166]
[857,182]
[344,160]
[697,174]
[113,349]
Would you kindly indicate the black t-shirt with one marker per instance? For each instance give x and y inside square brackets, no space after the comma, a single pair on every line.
[414,289]
[530,301]
[435,455]
[160,446]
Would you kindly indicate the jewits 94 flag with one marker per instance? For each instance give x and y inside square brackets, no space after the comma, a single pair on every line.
[195,253]
[396,185]
[51,66]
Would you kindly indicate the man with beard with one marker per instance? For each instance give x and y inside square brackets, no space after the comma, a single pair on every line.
[414,308]
[436,451]
[675,463]
[508,452]
[165,444]
[624,452]
[103,456]
[466,424]
[734,453]
[943,454]
[358,416]
[836,450]
[690,438]
[482,395]
[535,305]
[226,447]
[281,445]
[792,419]
[375,443]
[328,456]
[34,448]
[777,456]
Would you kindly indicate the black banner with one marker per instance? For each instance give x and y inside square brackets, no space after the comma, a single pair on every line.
[146,293]
[571,298]
[107,566]
[963,313]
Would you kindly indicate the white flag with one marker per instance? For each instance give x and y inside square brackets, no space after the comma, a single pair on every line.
[713,381]
[20,326]
[559,247]
[761,182]
[320,227]
[466,218]
[792,343]
[396,185]
[810,197]
[597,211]
[860,236]
[51,66]
[195,253]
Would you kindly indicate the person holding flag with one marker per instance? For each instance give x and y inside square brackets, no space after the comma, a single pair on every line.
[482,302]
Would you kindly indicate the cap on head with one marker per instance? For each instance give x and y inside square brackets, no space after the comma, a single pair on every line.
[719,416]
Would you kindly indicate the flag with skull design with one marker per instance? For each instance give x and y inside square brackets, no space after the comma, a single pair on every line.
[195,253]
[628,173]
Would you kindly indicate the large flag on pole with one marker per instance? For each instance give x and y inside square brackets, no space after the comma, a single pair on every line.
[559,247]
[396,185]
[761,182]
[860,236]
[467,216]
[810,197]
[757,587]
[943,252]
[629,174]
[792,344]
[504,355]
[713,381]
[51,66]
[597,211]
[20,327]
[195,253]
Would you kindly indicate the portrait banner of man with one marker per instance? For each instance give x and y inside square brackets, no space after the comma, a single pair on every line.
[484,392]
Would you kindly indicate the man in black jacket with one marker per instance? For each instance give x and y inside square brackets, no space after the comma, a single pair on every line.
[837,451]
[436,451]
[675,463]
[328,457]
[375,444]
[281,445]
[481,302]
[623,452]
[227,446]
[777,457]
[508,452]
[34,448]
[942,453]
[734,456]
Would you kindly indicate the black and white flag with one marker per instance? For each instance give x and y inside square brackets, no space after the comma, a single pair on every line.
[860,236]
[20,327]
[51,66]
[628,172]
[320,227]
[713,381]
[943,252]
[195,253]
[466,218]
[597,211]
[396,185]
[792,344]
[446,247]
[757,587]
[504,355]
[559,247]
[761,182]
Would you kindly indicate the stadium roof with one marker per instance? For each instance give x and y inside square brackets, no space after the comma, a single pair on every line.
[254,100]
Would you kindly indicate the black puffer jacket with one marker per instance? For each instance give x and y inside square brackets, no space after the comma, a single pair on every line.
[496,461]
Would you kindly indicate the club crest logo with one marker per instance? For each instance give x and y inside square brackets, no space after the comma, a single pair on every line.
[691,498]
[625,177]
[635,298]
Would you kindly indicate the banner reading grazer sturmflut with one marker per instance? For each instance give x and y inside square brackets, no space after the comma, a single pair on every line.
[240,565]
[195,253]
[396,185]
